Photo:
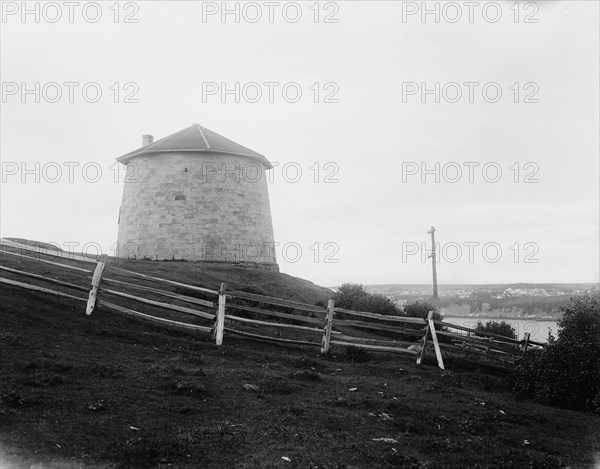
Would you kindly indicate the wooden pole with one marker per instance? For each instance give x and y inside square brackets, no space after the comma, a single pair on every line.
[436,345]
[326,344]
[424,345]
[220,316]
[96,278]
[433,264]
[525,345]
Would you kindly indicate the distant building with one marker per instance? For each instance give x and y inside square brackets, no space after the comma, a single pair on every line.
[196,196]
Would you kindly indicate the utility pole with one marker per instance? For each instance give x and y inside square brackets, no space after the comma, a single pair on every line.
[431,231]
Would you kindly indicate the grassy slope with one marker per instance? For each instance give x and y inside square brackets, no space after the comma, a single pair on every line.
[73,386]
[211,275]
[205,274]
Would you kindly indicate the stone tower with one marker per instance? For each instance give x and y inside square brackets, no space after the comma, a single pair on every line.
[196,196]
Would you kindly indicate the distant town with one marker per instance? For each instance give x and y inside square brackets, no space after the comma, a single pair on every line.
[502,301]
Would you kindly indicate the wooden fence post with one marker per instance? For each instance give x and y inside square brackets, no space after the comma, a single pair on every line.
[422,354]
[526,339]
[91,304]
[220,316]
[436,345]
[328,326]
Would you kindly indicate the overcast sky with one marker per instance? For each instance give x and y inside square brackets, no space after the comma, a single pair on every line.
[369,134]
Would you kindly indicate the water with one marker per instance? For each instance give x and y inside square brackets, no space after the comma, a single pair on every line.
[538,328]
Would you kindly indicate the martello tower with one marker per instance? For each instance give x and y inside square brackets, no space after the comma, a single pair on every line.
[196,196]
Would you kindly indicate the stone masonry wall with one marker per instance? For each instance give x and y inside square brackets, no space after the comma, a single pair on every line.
[196,206]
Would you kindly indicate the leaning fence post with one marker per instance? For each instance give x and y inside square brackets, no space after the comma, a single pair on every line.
[328,326]
[220,316]
[436,345]
[422,354]
[526,343]
[91,304]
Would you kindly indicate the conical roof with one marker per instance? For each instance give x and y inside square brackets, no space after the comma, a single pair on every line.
[195,139]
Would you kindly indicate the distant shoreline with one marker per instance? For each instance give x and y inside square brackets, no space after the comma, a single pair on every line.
[488,318]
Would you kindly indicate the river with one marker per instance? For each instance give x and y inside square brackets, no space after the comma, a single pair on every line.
[538,328]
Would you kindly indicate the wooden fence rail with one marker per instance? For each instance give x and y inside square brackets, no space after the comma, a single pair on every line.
[277,301]
[163,280]
[331,324]
[155,319]
[65,266]
[48,252]
[293,317]
[499,338]
[176,296]
[180,309]
[376,348]
[382,317]
[37,288]
[474,341]
[46,279]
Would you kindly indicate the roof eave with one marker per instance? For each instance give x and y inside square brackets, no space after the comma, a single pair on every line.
[125,159]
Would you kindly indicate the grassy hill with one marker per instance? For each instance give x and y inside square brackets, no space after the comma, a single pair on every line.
[110,391]
[205,274]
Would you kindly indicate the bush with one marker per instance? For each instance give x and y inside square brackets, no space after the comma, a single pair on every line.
[420,309]
[566,373]
[375,303]
[581,320]
[354,296]
[502,328]
[348,294]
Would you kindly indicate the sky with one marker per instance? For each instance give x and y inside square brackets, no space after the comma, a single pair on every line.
[382,119]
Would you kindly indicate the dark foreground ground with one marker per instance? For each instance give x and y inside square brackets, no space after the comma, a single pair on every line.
[108,391]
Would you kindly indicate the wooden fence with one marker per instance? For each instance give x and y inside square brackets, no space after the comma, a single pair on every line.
[254,316]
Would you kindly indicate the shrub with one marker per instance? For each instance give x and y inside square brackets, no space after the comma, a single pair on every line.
[349,294]
[581,320]
[420,309]
[566,373]
[376,303]
[354,296]
[502,328]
